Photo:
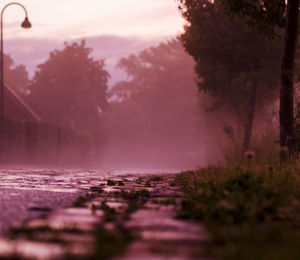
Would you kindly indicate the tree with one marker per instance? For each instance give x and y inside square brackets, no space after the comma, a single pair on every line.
[265,17]
[274,16]
[287,76]
[233,65]
[162,68]
[16,76]
[69,89]
[153,119]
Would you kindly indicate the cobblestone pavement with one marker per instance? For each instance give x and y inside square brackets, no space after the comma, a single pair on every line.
[30,193]
[118,217]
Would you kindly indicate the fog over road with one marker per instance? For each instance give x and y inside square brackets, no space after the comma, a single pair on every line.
[27,193]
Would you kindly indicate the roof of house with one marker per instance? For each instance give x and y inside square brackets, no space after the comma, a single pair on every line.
[15,107]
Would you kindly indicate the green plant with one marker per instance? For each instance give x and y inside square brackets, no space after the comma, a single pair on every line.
[250,210]
[109,213]
[81,200]
[165,202]
[156,178]
[110,243]
[111,183]
[121,183]
[135,199]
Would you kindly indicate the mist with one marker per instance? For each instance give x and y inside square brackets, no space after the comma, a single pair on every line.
[71,117]
[155,119]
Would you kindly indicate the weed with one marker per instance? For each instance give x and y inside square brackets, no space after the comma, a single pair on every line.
[109,244]
[132,195]
[166,248]
[93,209]
[135,199]
[143,193]
[121,183]
[249,209]
[165,202]
[111,183]
[156,178]
[139,180]
[96,189]
[109,213]
[81,200]
[168,202]
[172,184]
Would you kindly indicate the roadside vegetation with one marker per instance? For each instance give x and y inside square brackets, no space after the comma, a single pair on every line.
[251,210]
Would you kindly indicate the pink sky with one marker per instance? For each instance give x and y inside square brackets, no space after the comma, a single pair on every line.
[113,28]
[78,18]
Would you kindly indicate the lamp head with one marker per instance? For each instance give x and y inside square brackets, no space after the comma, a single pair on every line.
[26,24]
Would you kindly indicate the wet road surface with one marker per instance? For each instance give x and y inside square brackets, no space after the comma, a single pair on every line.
[29,193]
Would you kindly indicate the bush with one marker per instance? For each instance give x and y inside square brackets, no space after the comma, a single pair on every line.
[243,205]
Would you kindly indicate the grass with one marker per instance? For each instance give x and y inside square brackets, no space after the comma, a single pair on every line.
[121,183]
[139,180]
[251,211]
[135,199]
[114,183]
[156,178]
[165,202]
[148,184]
[172,184]
[82,200]
[110,243]
[166,249]
[109,213]
[111,183]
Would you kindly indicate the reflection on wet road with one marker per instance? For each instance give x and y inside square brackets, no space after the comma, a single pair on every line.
[28,193]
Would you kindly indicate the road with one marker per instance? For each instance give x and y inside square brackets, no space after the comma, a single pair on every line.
[29,193]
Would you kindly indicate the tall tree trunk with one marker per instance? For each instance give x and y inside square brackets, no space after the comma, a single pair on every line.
[249,120]
[286,113]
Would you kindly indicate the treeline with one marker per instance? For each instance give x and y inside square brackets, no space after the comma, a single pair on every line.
[258,40]
[157,116]
[239,68]
[68,92]
[154,120]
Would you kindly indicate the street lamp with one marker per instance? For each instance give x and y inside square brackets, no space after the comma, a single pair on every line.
[25,24]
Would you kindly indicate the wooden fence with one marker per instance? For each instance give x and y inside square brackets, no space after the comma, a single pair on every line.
[42,144]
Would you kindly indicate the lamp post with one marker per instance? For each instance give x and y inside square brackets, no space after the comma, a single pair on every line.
[25,24]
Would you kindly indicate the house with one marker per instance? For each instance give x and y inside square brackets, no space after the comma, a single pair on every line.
[15,107]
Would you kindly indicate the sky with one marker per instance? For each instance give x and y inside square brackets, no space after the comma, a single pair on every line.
[113,28]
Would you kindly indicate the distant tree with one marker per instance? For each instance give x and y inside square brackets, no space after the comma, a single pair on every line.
[16,76]
[273,17]
[162,69]
[154,113]
[235,66]
[69,89]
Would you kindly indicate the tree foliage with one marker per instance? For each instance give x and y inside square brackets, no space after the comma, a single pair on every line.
[16,76]
[69,89]
[266,17]
[234,65]
[224,50]
[155,111]
[280,14]
[160,69]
